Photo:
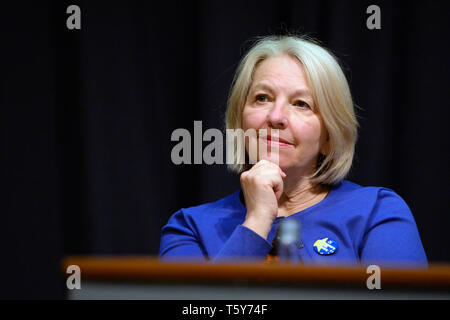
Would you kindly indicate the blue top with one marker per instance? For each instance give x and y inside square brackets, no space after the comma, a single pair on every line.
[368,225]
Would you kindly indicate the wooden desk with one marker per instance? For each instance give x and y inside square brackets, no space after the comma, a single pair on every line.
[140,277]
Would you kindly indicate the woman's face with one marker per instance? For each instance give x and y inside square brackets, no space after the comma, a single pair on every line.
[280,98]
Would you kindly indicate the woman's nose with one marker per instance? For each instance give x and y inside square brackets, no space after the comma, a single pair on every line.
[277,117]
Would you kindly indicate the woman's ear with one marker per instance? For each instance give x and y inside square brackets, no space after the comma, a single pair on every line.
[325,145]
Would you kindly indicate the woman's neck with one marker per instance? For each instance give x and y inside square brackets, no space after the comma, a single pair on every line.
[299,194]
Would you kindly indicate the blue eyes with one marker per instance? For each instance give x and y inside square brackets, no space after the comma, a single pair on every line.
[263,98]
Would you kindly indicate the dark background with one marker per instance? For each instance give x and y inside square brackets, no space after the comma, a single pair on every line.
[87,116]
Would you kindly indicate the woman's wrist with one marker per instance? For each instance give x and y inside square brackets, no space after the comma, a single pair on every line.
[259,225]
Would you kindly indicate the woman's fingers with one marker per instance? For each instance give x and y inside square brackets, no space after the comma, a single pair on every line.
[262,186]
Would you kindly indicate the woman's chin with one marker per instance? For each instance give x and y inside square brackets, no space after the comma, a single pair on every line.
[269,157]
[284,164]
[274,158]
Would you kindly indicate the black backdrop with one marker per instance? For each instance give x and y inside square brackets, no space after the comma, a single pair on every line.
[87,117]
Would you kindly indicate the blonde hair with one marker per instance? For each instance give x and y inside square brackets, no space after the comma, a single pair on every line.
[331,95]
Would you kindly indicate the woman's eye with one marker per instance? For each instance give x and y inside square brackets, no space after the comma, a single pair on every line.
[261,98]
[302,104]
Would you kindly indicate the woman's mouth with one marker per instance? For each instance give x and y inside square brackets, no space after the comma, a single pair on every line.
[276,141]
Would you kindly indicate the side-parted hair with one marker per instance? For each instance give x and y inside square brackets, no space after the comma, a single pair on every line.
[331,95]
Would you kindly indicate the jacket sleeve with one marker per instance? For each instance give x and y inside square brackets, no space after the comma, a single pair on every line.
[180,240]
[391,238]
[246,244]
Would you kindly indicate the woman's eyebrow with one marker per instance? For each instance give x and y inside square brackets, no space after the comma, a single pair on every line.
[302,92]
[299,92]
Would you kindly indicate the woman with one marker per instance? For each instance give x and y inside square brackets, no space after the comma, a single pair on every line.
[295,92]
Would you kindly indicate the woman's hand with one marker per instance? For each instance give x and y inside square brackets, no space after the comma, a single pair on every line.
[262,186]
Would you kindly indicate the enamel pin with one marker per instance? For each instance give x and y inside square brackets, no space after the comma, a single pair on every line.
[325,246]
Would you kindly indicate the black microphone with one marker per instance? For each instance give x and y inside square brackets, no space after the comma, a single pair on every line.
[288,241]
